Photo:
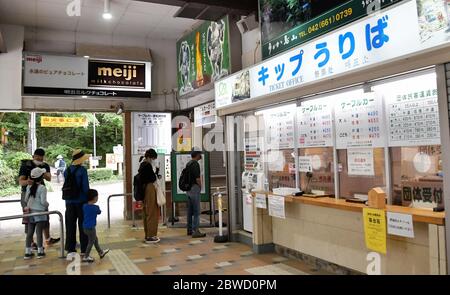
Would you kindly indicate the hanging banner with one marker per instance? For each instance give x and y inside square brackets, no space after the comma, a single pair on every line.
[375,229]
[276,207]
[64,122]
[152,130]
[360,162]
[203,56]
[400,225]
[55,75]
[359,121]
[372,40]
[205,115]
[315,122]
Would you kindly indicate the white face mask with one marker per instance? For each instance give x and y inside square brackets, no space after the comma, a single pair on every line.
[37,163]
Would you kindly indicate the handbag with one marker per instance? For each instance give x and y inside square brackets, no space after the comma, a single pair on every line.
[160,197]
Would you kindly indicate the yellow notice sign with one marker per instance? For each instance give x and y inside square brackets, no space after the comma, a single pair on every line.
[375,229]
[63,122]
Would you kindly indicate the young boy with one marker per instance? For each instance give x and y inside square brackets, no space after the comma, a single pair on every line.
[90,212]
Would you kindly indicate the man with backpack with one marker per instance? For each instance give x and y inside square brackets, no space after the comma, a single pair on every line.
[25,179]
[191,183]
[75,189]
[60,166]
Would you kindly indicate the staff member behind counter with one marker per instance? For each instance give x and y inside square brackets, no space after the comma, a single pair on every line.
[25,180]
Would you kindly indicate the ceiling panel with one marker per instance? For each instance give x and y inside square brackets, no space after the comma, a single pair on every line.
[65,24]
[126,30]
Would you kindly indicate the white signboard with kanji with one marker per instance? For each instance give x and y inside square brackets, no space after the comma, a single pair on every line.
[152,130]
[400,225]
[315,122]
[359,121]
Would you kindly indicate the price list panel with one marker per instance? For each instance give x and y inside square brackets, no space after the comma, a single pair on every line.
[280,129]
[413,118]
[359,122]
[315,124]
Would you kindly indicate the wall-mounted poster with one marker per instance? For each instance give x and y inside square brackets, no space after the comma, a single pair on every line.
[152,130]
[205,114]
[203,56]
[279,124]
[315,122]
[434,20]
[359,121]
[412,111]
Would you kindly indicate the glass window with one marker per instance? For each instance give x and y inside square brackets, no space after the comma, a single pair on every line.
[321,179]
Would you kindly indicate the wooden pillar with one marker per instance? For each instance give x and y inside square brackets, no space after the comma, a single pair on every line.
[128,177]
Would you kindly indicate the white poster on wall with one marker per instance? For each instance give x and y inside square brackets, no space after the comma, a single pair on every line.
[276,206]
[360,162]
[152,130]
[261,201]
[400,225]
[182,160]
[279,124]
[413,114]
[315,123]
[305,164]
[359,121]
[205,114]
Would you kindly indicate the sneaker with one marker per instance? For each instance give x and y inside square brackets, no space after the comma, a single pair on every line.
[103,254]
[52,241]
[152,240]
[71,256]
[41,255]
[198,234]
[28,256]
[189,233]
[88,259]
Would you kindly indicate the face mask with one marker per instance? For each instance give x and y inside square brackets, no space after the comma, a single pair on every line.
[37,163]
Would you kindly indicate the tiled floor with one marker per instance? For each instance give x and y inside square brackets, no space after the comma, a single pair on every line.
[176,254]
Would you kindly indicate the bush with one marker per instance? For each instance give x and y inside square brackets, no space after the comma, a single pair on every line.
[54,150]
[13,159]
[7,174]
[100,174]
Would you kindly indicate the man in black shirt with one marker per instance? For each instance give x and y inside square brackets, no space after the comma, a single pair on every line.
[193,196]
[25,180]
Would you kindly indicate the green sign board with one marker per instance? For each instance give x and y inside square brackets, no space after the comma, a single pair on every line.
[285,25]
[178,162]
[203,56]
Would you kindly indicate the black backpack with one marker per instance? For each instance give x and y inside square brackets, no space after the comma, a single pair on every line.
[185,181]
[138,188]
[70,189]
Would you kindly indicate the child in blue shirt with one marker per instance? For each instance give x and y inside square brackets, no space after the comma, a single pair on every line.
[90,212]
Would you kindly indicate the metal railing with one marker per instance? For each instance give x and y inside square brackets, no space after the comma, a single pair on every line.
[119,195]
[61,222]
[10,201]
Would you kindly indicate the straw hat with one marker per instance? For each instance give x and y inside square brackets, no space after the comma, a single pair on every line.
[78,157]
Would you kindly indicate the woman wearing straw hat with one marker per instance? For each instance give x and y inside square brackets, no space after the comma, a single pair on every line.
[75,189]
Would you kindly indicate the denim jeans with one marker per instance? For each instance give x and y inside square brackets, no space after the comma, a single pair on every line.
[193,218]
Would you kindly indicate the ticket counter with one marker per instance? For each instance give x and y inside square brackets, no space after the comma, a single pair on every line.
[330,233]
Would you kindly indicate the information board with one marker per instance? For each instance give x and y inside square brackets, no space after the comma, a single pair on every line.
[152,130]
[315,123]
[359,121]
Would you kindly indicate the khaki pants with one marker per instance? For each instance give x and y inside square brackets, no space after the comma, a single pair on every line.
[151,214]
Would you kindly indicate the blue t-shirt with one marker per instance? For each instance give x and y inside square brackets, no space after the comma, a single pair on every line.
[90,212]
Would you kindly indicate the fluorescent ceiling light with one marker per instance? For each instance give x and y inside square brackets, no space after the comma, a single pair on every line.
[106,11]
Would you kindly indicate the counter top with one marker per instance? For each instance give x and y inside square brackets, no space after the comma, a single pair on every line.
[419,215]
